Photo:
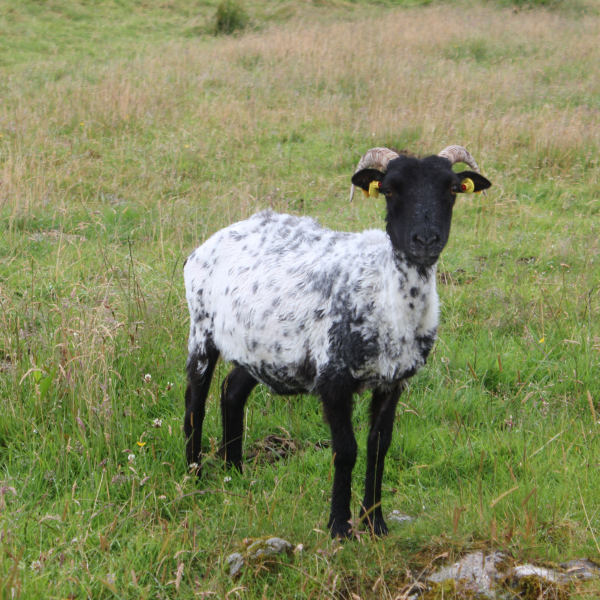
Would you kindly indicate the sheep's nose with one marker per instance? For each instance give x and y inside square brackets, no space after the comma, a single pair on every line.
[426,239]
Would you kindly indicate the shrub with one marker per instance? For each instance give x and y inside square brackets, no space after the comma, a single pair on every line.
[230,17]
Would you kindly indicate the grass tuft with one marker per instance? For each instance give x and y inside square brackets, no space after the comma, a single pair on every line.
[230,17]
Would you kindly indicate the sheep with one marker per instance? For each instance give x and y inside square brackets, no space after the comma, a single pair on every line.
[304,309]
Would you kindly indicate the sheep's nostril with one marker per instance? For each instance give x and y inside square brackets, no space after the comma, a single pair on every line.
[426,240]
[420,239]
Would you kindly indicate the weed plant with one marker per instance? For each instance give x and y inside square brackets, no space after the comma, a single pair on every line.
[115,164]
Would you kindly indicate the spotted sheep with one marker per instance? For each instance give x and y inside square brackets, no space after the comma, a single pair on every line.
[304,309]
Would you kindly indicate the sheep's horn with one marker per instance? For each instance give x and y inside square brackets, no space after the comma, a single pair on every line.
[456,154]
[375,158]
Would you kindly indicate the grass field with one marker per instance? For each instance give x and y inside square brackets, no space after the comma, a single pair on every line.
[129,134]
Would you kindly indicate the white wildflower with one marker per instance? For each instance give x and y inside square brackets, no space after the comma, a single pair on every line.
[36,565]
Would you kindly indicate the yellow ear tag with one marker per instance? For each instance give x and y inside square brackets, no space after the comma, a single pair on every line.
[365,192]
[467,186]
[374,189]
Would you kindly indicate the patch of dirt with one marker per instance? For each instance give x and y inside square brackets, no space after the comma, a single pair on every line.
[274,447]
[271,448]
[527,260]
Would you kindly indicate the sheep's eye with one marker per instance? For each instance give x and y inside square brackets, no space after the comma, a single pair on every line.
[455,189]
[387,192]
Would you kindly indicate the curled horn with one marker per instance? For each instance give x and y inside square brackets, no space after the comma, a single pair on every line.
[375,158]
[456,154]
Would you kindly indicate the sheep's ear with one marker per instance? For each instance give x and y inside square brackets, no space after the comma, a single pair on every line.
[364,178]
[481,183]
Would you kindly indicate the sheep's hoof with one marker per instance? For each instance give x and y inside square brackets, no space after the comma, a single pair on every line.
[376,525]
[341,529]
[379,528]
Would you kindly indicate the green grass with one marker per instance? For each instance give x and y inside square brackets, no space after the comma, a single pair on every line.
[125,142]
[72,31]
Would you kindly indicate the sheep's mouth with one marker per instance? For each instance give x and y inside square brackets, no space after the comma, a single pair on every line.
[425,260]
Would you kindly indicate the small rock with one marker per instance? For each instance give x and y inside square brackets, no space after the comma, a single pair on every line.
[235,562]
[268,547]
[496,576]
[541,572]
[397,517]
[256,551]
[540,581]
[581,569]
[476,573]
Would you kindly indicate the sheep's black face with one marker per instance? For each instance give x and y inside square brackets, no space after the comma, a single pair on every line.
[420,196]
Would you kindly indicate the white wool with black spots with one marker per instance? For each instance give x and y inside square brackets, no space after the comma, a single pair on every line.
[292,302]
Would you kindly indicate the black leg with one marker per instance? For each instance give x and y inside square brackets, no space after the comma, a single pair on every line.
[236,388]
[383,412]
[337,405]
[200,369]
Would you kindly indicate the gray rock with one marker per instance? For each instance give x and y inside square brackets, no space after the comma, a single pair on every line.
[550,575]
[476,572]
[397,517]
[581,569]
[235,562]
[256,552]
[487,576]
[268,547]
[574,569]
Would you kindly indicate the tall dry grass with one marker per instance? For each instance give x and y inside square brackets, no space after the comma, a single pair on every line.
[514,88]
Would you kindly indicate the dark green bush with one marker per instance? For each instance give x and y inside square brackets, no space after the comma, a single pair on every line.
[230,17]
